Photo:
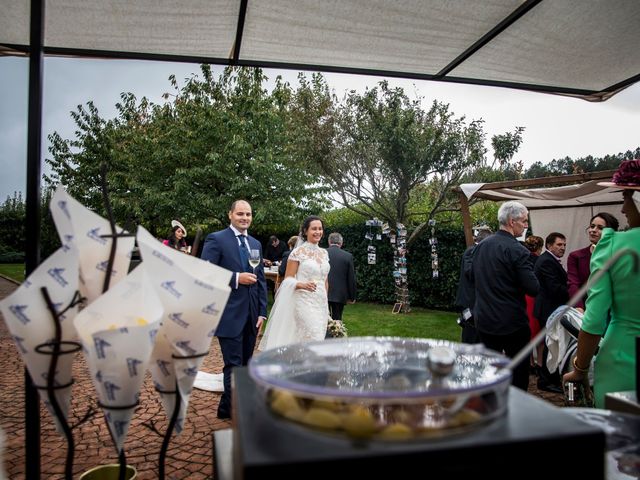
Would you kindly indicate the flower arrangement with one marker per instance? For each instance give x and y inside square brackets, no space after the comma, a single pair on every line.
[336,329]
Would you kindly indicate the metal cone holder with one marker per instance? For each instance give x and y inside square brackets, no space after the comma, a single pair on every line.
[166,437]
[55,348]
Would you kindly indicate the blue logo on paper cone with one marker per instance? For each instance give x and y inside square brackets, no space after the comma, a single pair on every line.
[110,389]
[162,257]
[191,371]
[56,274]
[18,311]
[211,309]
[19,344]
[94,234]
[119,426]
[203,285]
[62,204]
[100,344]
[132,365]
[169,286]
[102,266]
[177,319]
[163,365]
[185,345]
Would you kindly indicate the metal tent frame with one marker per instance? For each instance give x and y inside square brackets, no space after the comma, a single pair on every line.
[498,52]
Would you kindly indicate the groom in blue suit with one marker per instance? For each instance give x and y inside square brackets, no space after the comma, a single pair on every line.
[247,306]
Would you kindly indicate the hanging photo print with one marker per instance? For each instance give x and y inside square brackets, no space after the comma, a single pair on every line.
[433,241]
[371,255]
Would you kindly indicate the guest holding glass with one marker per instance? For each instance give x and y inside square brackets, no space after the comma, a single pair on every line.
[616,292]
[578,262]
[246,308]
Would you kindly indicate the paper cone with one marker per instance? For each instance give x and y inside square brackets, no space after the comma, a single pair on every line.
[193,295]
[83,228]
[31,323]
[118,332]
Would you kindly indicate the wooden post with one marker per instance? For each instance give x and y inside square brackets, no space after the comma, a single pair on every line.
[466,218]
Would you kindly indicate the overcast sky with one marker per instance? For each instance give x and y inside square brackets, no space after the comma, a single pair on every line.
[555,127]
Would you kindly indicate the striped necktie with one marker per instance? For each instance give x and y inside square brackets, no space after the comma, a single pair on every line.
[244,253]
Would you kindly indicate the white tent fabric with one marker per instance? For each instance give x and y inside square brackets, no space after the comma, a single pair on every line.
[565,209]
[587,48]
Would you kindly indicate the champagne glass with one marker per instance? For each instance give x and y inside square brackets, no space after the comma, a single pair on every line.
[254,258]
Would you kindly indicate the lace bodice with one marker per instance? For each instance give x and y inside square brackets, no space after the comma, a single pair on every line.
[300,315]
[313,262]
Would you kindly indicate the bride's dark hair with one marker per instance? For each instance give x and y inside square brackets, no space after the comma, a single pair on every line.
[305,226]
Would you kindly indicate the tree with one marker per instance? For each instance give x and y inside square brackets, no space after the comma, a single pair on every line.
[374,150]
[12,226]
[569,166]
[377,148]
[214,141]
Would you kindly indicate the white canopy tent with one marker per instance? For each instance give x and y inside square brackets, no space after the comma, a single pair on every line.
[566,209]
[586,48]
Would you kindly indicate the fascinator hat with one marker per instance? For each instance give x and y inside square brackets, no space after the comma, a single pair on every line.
[626,177]
[176,223]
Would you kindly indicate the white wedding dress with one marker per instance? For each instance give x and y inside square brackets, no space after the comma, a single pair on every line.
[300,315]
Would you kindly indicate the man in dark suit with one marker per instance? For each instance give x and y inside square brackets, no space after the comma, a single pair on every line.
[274,250]
[246,308]
[342,277]
[465,296]
[502,275]
[553,293]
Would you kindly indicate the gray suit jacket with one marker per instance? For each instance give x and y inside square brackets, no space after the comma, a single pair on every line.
[342,276]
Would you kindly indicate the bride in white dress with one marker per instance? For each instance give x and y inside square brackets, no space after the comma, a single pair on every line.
[300,312]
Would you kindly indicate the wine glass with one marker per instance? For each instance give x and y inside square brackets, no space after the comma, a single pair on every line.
[254,258]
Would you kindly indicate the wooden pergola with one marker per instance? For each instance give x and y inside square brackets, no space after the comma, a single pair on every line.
[521,184]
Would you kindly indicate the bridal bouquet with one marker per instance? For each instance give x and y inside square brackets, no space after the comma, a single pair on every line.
[336,329]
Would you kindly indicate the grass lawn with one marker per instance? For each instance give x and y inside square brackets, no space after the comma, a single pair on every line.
[361,319]
[13,270]
[372,319]
[369,319]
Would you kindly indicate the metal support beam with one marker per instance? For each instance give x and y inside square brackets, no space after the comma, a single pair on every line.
[32,254]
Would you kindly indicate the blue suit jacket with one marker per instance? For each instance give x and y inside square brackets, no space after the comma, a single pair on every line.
[246,303]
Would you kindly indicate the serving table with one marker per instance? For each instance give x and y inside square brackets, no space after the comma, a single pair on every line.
[262,445]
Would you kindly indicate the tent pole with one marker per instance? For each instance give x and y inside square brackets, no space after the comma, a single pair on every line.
[32,227]
[466,218]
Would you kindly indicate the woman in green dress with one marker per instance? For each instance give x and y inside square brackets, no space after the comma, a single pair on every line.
[617,291]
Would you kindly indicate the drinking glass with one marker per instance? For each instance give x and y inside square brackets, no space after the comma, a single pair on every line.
[254,258]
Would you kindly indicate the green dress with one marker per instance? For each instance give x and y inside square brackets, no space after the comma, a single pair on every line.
[619,291]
